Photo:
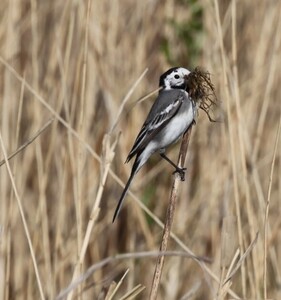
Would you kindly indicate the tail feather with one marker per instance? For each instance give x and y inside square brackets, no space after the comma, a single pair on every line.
[119,205]
[139,162]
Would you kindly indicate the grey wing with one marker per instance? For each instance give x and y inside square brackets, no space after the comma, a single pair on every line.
[164,109]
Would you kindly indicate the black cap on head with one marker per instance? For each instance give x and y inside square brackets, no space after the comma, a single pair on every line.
[163,76]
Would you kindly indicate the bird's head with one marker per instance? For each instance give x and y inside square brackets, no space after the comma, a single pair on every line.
[174,78]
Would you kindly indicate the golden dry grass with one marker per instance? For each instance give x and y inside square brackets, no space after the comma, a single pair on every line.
[76,63]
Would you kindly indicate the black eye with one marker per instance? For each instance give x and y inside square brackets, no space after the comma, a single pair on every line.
[177,76]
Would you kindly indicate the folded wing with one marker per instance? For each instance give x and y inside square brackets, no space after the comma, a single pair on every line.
[164,109]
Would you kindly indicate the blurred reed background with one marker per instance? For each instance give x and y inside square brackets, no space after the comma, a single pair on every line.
[75,61]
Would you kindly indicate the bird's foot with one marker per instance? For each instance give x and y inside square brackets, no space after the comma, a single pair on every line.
[181,172]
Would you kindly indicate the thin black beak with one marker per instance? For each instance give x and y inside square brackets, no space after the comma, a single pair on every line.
[186,81]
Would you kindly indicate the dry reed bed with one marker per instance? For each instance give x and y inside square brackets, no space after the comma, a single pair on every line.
[76,64]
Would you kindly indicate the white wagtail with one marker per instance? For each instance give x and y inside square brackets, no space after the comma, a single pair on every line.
[172,113]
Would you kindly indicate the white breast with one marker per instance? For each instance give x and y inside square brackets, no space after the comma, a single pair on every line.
[169,134]
[176,127]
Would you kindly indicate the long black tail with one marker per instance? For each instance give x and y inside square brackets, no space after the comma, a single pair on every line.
[119,205]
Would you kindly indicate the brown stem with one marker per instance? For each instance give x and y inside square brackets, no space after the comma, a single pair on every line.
[169,217]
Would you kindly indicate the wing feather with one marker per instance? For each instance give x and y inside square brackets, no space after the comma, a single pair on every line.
[155,122]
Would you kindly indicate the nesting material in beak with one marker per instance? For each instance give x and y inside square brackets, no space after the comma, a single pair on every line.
[202,91]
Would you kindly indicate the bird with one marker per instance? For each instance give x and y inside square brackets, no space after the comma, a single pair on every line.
[171,115]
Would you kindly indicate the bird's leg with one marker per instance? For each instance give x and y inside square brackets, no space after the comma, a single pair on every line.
[169,161]
[179,170]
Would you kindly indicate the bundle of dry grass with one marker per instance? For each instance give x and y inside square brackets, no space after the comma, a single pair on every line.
[202,90]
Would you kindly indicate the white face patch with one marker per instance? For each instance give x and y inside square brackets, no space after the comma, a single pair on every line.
[176,78]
